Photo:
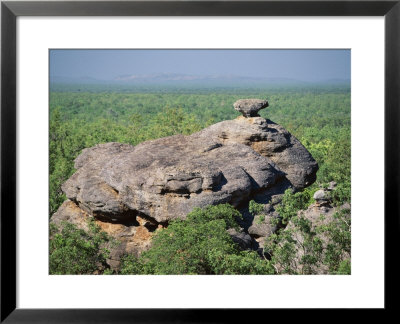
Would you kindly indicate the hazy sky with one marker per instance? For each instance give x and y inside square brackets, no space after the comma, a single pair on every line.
[306,65]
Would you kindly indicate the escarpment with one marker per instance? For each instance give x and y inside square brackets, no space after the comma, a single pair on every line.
[133,190]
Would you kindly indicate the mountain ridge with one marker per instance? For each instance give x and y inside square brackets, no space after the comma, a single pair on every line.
[176,78]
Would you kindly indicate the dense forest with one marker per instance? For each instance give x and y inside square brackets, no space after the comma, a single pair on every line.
[82,116]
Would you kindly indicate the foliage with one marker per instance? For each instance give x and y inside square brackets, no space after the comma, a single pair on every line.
[293,202]
[306,248]
[284,249]
[241,263]
[198,245]
[344,268]
[342,193]
[75,251]
[335,164]
[184,248]
[130,265]
[338,233]
[85,115]
[223,212]
[172,121]
[256,209]
[303,248]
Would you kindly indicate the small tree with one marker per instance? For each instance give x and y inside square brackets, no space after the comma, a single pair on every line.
[75,251]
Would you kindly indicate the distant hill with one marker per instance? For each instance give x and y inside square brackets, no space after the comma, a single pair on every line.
[195,80]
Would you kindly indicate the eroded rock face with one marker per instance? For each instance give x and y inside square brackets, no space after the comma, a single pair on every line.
[166,178]
[269,140]
[131,238]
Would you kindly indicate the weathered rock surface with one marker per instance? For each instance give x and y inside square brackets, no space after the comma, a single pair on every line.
[132,238]
[322,196]
[250,107]
[166,178]
[71,213]
[131,190]
[244,240]
[264,225]
[270,140]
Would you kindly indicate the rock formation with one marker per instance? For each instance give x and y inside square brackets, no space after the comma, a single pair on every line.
[250,107]
[157,181]
[322,196]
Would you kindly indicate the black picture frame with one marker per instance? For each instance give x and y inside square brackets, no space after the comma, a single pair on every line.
[10,10]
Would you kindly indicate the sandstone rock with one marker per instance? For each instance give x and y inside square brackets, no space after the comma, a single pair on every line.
[265,225]
[166,178]
[270,140]
[250,107]
[133,190]
[71,213]
[133,239]
[320,195]
[332,186]
[241,238]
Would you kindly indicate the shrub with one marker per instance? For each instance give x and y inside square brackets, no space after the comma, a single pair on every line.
[338,234]
[183,248]
[223,212]
[344,268]
[198,245]
[293,202]
[130,265]
[341,194]
[244,262]
[302,248]
[75,251]
[256,209]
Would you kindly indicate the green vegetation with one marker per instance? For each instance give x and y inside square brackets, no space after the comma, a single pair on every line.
[306,248]
[318,116]
[198,245]
[75,251]
[257,210]
[293,202]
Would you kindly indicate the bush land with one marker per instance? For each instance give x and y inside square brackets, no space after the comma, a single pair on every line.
[318,116]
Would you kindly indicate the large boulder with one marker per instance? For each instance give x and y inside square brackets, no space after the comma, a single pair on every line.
[228,162]
[166,178]
[132,190]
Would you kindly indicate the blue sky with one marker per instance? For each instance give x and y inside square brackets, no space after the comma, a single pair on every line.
[305,65]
